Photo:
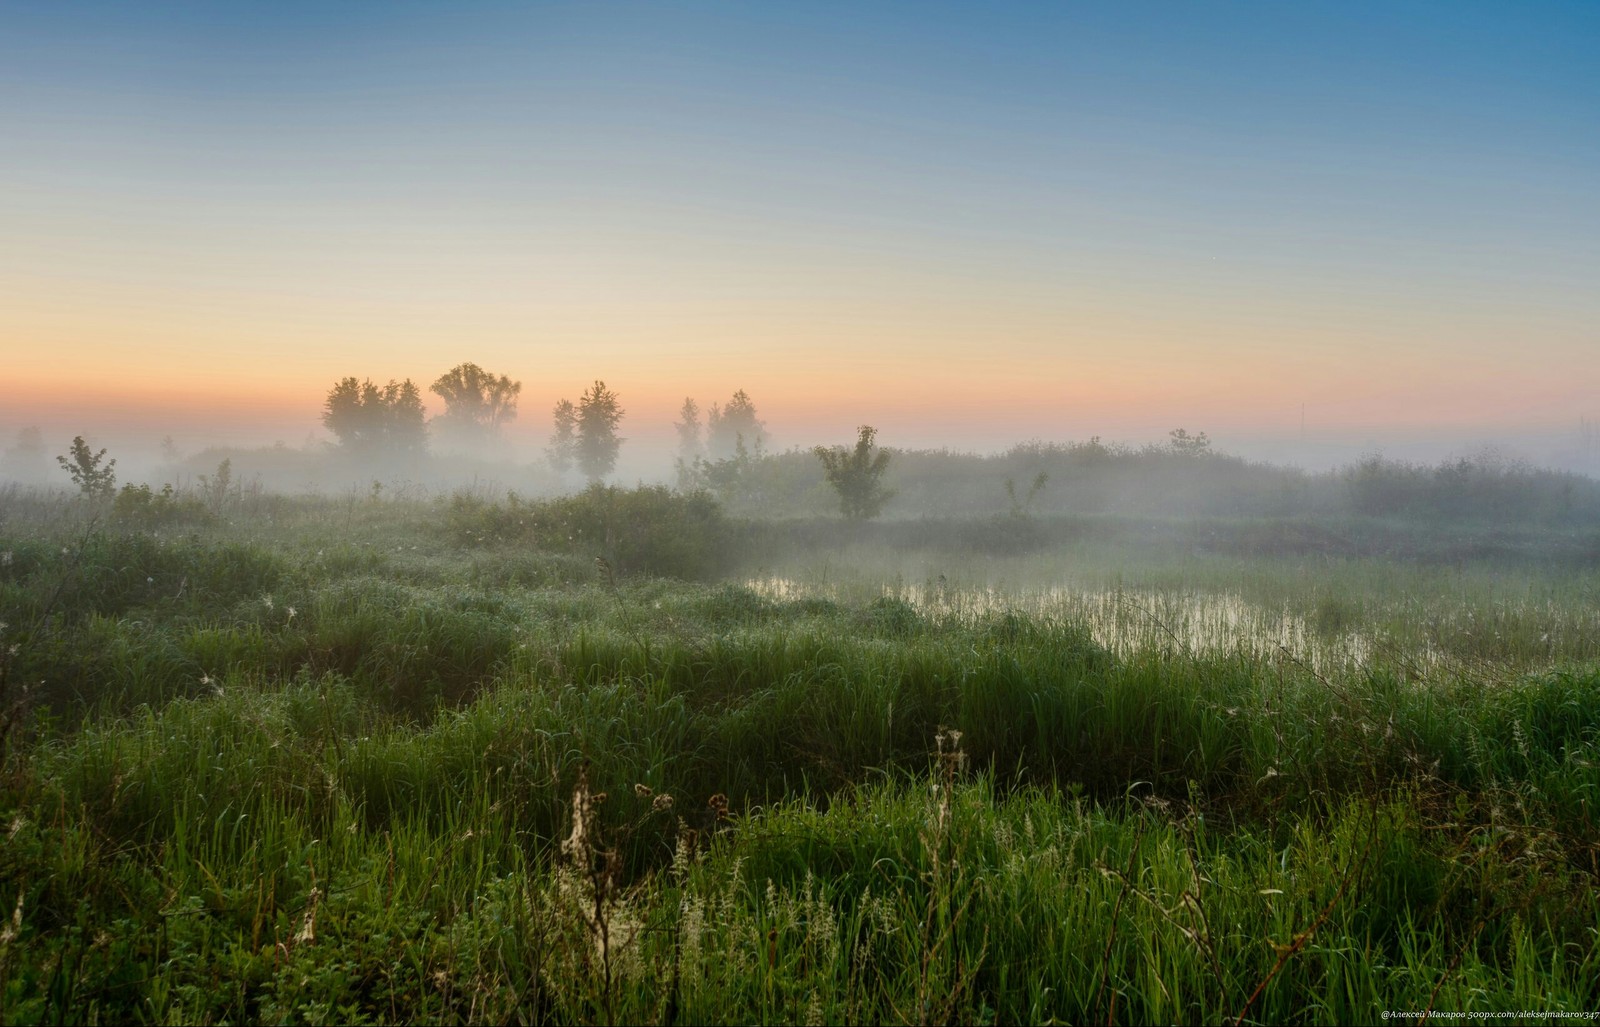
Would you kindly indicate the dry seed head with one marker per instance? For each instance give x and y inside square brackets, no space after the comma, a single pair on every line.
[308,926]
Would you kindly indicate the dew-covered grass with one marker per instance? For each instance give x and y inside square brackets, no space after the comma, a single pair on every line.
[365,760]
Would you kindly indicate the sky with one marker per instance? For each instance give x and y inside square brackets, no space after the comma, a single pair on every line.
[1307,229]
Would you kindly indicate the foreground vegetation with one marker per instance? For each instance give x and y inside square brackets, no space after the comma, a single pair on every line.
[617,758]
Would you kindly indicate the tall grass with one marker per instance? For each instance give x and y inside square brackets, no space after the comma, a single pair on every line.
[327,763]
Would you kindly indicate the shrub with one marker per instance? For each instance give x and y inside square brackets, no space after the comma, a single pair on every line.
[139,505]
[90,471]
[649,530]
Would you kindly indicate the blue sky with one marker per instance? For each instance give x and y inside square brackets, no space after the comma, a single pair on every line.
[1143,215]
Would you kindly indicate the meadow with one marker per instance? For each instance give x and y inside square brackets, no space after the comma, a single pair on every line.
[624,757]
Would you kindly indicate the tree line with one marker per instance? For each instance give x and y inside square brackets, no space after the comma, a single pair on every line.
[388,423]
[371,421]
[715,454]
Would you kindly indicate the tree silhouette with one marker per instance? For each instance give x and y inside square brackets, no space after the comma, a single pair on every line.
[563,449]
[599,413]
[689,443]
[725,426]
[857,475]
[373,421]
[477,404]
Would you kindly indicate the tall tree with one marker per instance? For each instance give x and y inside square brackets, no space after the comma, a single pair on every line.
[726,425]
[857,475]
[373,421]
[477,404]
[690,447]
[688,427]
[405,421]
[563,449]
[347,415]
[599,413]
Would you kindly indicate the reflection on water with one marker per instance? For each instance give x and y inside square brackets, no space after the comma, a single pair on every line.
[1126,620]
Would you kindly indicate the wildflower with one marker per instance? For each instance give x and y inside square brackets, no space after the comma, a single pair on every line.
[643,791]
[290,611]
[5,558]
[661,803]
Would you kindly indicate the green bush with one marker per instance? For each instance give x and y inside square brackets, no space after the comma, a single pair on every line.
[138,505]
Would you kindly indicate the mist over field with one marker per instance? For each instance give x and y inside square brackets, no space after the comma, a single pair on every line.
[894,513]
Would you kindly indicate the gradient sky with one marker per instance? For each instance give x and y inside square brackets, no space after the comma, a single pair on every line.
[969,225]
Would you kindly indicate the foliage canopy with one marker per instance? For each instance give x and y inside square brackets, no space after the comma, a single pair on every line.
[599,413]
[726,425]
[477,403]
[370,420]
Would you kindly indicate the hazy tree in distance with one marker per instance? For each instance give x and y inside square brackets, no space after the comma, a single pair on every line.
[406,421]
[563,449]
[726,425]
[373,421]
[857,475]
[90,471]
[347,415]
[477,404]
[690,446]
[26,460]
[1184,444]
[599,413]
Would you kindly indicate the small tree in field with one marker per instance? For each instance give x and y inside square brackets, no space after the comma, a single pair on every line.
[857,475]
[88,473]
